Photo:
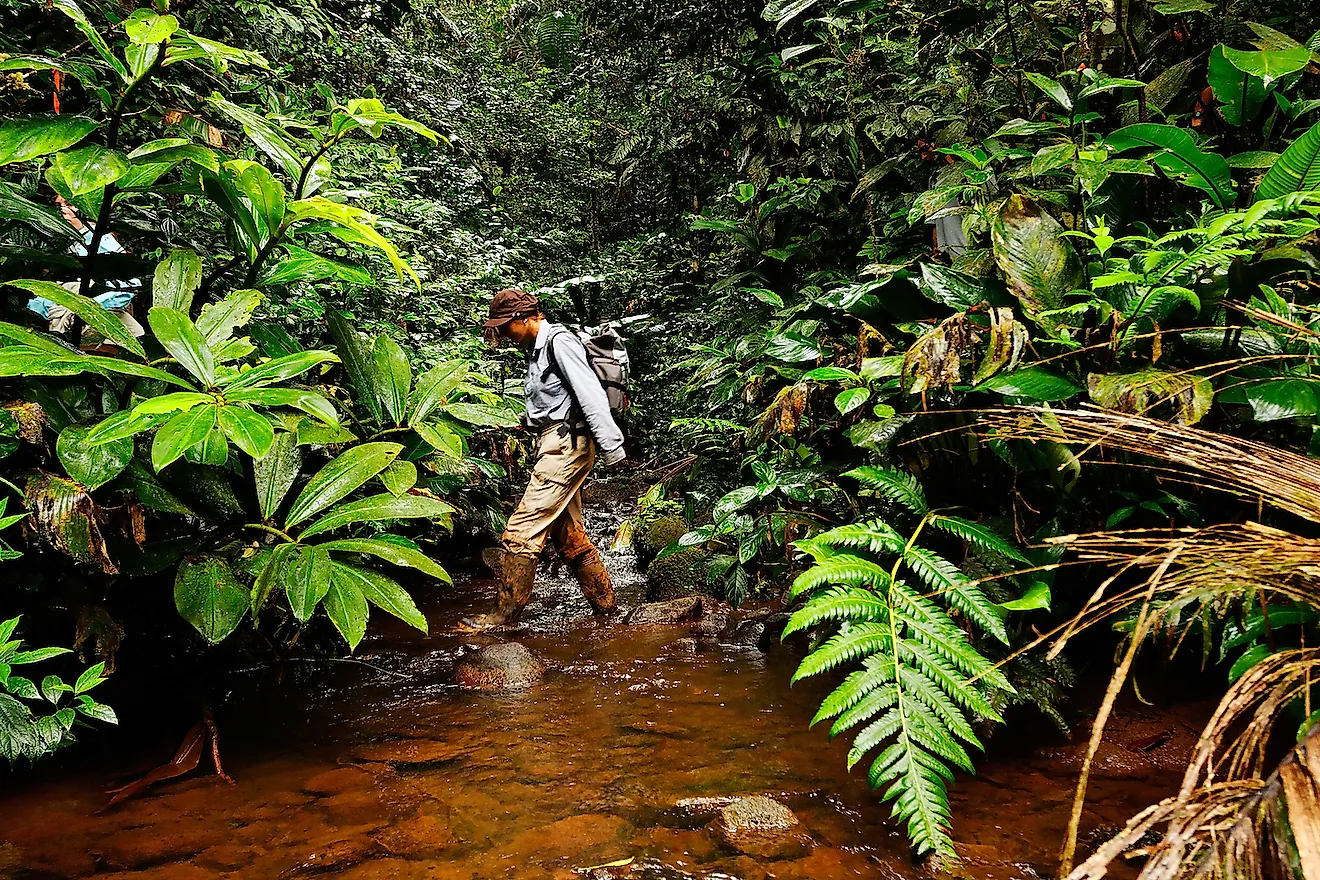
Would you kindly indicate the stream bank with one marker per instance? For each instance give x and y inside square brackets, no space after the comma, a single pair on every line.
[627,749]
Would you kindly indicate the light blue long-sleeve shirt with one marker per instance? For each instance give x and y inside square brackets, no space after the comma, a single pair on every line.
[550,400]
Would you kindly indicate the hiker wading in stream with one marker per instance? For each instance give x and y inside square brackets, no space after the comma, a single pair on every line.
[569,410]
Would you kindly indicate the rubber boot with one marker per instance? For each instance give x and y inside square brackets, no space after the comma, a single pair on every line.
[517,572]
[594,579]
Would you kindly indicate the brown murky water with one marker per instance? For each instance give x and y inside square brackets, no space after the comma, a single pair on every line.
[391,772]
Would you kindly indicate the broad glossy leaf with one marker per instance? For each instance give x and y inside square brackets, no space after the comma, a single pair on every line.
[794,348]
[1253,159]
[434,388]
[269,137]
[145,27]
[303,265]
[74,11]
[123,424]
[1241,95]
[356,359]
[218,321]
[212,449]
[345,605]
[390,552]
[29,137]
[177,278]
[270,575]
[279,369]
[250,430]
[480,414]
[262,191]
[1275,399]
[441,438]
[847,401]
[382,592]
[1269,65]
[93,466]
[1297,170]
[276,472]
[830,374]
[374,116]
[1052,88]
[91,168]
[306,579]
[1039,264]
[353,225]
[380,508]
[1033,383]
[340,477]
[45,220]
[176,401]
[209,596]
[190,47]
[180,338]
[957,290]
[86,308]
[1179,156]
[1036,598]
[308,401]
[393,376]
[181,432]
[399,477]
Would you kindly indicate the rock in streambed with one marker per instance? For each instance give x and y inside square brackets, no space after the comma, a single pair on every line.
[507,666]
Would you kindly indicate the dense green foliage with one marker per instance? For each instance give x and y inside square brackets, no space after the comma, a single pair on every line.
[856,228]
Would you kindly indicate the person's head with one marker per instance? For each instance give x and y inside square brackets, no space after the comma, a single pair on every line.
[514,315]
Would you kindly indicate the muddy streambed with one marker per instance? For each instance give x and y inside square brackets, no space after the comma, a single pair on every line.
[624,750]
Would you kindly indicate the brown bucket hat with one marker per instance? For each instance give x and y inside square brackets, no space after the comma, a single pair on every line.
[511,303]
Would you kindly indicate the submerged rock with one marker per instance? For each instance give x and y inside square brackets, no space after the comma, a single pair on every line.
[686,647]
[744,634]
[711,625]
[761,827]
[672,612]
[507,666]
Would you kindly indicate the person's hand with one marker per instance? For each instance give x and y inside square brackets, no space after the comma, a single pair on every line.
[616,457]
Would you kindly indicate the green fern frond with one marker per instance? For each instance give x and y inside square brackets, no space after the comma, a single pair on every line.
[841,603]
[878,537]
[875,702]
[960,591]
[854,643]
[978,536]
[895,485]
[925,687]
[876,670]
[875,733]
[949,642]
[557,34]
[919,792]
[844,569]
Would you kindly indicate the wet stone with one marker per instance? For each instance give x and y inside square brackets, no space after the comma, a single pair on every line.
[595,836]
[684,647]
[336,856]
[357,808]
[761,827]
[418,837]
[674,611]
[711,625]
[228,857]
[140,848]
[504,667]
[745,634]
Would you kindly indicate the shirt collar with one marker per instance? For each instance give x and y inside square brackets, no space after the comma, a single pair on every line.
[542,334]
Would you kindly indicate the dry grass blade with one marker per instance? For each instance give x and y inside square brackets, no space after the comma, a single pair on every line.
[1246,468]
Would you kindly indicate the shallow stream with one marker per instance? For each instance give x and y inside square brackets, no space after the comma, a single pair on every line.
[385,769]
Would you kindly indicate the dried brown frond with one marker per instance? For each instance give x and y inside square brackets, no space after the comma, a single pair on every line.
[1245,468]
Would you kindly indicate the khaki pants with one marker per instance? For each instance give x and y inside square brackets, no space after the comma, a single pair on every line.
[551,508]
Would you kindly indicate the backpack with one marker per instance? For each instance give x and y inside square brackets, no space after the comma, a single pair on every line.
[608,358]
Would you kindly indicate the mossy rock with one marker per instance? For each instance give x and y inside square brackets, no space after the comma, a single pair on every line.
[677,576]
[653,534]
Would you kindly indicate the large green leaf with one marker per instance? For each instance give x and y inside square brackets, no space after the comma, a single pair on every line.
[92,312]
[87,169]
[177,278]
[381,508]
[441,438]
[1275,399]
[353,225]
[346,605]
[434,387]
[263,193]
[372,116]
[1033,383]
[1240,94]
[390,552]
[1178,156]
[179,336]
[218,321]
[276,471]
[480,414]
[393,376]
[93,466]
[1187,394]
[306,579]
[13,206]
[181,432]
[308,401]
[250,430]
[209,596]
[269,137]
[29,137]
[1269,65]
[382,592]
[145,27]
[340,477]
[1038,263]
[957,290]
[171,151]
[357,362]
[74,11]
[1297,170]
[279,369]
[303,265]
